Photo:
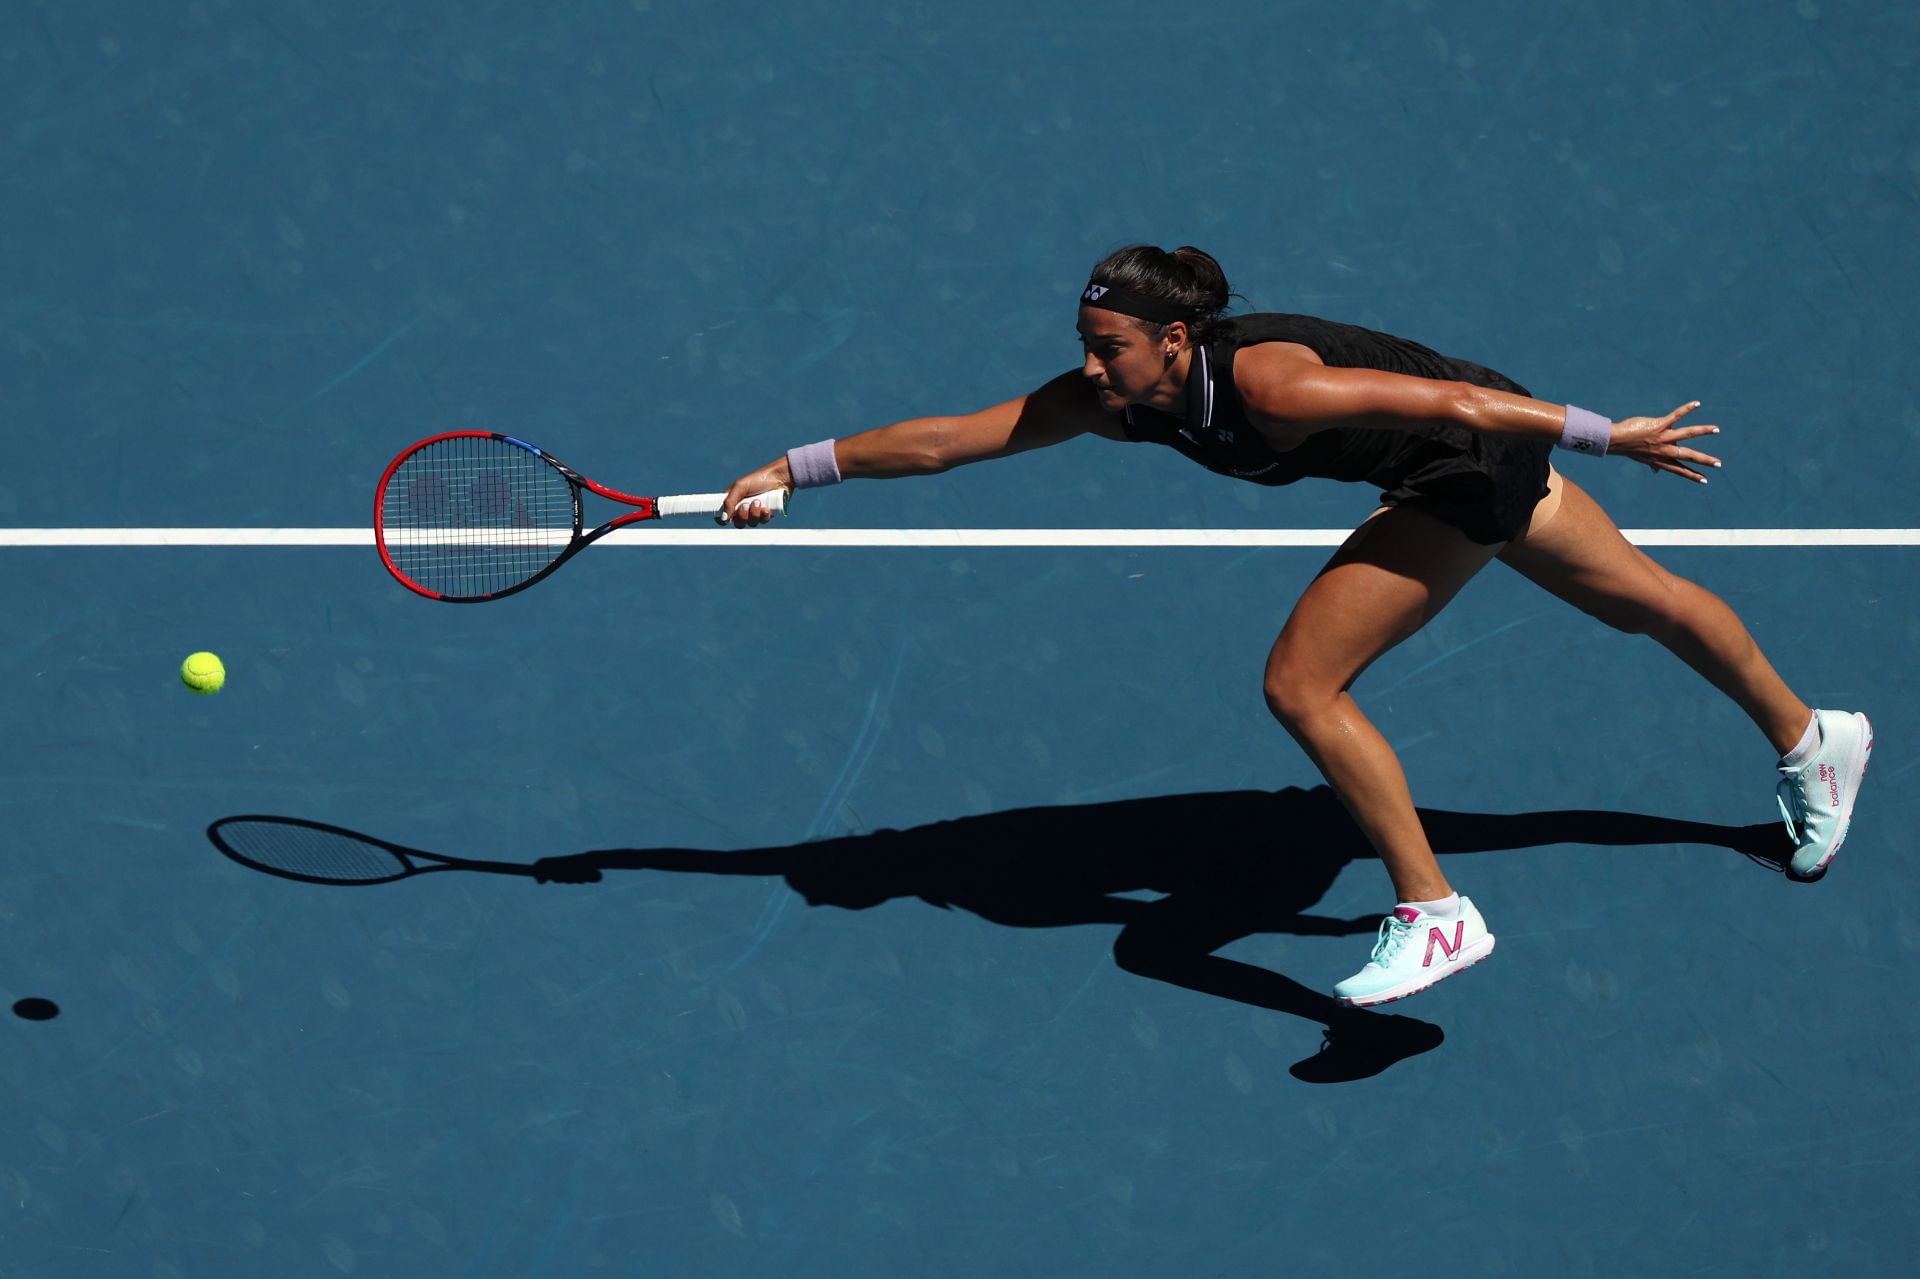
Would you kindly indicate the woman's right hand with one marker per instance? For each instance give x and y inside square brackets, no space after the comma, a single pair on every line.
[741,513]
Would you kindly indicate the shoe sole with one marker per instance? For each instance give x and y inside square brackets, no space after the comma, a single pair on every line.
[1468,958]
[1858,774]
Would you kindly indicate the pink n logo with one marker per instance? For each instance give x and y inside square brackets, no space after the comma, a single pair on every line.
[1437,938]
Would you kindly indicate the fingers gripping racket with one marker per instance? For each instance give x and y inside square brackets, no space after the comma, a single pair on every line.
[470,516]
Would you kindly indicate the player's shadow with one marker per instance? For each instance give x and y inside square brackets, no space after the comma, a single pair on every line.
[1226,865]
[1181,876]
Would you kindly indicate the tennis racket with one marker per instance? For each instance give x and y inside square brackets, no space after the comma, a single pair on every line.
[470,516]
[315,853]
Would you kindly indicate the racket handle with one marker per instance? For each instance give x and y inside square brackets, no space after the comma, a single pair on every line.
[774,500]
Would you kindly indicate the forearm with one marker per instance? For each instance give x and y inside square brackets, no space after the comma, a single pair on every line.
[1285,393]
[1292,393]
[1481,408]
[918,446]
[1058,411]
[887,452]
[930,445]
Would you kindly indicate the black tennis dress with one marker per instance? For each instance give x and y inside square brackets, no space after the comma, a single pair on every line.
[1484,485]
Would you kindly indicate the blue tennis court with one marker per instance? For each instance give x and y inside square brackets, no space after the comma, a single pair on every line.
[958,908]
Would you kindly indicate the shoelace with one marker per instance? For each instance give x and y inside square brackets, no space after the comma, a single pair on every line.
[1793,805]
[1394,932]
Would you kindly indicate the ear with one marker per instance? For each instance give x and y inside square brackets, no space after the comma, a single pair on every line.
[1177,335]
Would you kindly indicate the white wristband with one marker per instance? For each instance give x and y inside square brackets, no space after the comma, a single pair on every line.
[813,465]
[1586,432]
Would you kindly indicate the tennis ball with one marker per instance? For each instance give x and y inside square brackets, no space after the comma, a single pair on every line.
[203,673]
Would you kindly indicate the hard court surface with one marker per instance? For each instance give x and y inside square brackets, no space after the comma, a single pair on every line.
[961,911]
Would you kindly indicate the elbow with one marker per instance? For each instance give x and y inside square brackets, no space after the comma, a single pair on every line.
[939,449]
[1461,403]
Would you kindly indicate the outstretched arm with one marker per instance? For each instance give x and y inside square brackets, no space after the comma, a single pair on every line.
[1058,411]
[1288,396]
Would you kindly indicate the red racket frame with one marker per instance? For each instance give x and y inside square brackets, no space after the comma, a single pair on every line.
[579,541]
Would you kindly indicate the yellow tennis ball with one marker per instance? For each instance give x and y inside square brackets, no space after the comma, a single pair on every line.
[203,673]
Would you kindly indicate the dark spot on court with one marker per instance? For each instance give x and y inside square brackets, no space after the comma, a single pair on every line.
[36,1009]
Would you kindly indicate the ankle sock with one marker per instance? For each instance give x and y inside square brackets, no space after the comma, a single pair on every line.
[1447,907]
[1809,742]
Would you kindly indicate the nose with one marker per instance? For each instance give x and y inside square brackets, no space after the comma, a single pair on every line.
[1090,367]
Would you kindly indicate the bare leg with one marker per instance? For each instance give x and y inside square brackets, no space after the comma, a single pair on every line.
[1581,557]
[1396,572]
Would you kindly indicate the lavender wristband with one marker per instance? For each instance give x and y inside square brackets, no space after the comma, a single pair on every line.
[1586,432]
[813,465]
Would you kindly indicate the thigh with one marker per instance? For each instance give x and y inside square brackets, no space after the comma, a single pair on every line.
[1396,572]
[1582,558]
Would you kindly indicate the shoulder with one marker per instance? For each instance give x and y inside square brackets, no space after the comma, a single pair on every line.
[1273,379]
[1265,368]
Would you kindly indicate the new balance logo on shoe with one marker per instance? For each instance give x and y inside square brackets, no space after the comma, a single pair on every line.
[1397,969]
[1831,776]
[1437,938]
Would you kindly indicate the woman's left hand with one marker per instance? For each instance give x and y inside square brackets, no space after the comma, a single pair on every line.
[1658,443]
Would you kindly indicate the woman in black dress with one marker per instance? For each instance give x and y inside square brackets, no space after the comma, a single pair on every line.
[1461,456]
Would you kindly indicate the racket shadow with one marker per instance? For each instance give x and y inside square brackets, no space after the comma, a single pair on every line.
[1217,867]
[315,853]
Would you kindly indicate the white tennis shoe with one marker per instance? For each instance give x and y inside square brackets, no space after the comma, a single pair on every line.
[1816,798]
[1414,951]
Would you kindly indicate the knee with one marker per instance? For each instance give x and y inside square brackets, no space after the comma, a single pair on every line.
[1293,694]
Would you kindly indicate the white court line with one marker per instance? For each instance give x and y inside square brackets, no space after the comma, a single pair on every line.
[1144,538]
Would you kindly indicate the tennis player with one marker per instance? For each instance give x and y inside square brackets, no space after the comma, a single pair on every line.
[1462,456]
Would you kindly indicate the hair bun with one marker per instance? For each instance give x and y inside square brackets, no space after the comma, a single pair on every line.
[1208,279]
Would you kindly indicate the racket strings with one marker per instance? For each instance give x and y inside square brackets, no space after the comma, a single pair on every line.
[474,515]
[290,847]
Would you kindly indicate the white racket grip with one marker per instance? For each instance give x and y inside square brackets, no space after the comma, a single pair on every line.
[774,500]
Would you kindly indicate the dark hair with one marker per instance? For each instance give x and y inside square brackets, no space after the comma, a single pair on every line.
[1186,276]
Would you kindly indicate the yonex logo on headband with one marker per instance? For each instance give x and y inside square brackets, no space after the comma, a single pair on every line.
[1138,305]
